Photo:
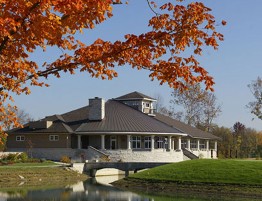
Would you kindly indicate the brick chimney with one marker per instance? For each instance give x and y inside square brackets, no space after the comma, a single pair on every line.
[96,109]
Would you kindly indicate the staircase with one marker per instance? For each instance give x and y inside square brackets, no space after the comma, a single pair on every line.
[189,154]
[98,154]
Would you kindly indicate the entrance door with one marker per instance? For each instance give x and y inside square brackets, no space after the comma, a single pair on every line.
[113,142]
[85,141]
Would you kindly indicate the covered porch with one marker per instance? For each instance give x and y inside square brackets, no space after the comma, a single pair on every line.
[135,142]
[203,148]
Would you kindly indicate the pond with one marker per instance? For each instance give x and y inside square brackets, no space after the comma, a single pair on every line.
[98,189]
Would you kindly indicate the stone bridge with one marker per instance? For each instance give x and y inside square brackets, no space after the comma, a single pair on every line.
[90,168]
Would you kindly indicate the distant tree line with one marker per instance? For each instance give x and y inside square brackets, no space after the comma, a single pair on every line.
[198,108]
[238,142]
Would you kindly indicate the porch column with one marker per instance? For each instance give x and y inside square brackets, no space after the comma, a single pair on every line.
[179,143]
[207,145]
[102,142]
[173,144]
[128,141]
[215,145]
[152,142]
[79,141]
[188,144]
[198,142]
[169,142]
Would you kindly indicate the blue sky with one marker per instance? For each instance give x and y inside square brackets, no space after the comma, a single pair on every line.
[233,66]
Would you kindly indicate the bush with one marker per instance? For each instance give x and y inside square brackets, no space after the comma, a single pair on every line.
[11,157]
[33,160]
[65,159]
[23,157]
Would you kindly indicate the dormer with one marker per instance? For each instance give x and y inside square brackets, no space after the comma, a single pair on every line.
[139,102]
[41,124]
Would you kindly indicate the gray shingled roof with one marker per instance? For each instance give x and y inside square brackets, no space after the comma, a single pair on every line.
[118,118]
[122,118]
[182,127]
[134,96]
[56,127]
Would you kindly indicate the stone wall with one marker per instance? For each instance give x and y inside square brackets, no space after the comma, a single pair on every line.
[76,155]
[205,153]
[81,155]
[157,155]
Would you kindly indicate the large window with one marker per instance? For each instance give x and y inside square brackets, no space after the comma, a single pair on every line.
[136,142]
[160,142]
[53,137]
[184,143]
[202,144]
[147,142]
[20,138]
[193,144]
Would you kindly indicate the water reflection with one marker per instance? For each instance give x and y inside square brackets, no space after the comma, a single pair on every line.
[98,189]
[87,190]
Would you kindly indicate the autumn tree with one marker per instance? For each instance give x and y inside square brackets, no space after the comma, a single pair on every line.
[165,110]
[225,145]
[199,107]
[238,142]
[259,145]
[256,105]
[244,141]
[30,25]
[238,130]
[22,117]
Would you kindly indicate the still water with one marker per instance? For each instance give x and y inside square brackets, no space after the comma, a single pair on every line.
[98,189]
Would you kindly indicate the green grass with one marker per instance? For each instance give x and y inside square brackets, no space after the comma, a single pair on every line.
[28,165]
[207,171]
[36,174]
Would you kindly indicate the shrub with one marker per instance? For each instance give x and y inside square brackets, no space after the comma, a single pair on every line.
[23,157]
[11,157]
[33,160]
[104,158]
[65,159]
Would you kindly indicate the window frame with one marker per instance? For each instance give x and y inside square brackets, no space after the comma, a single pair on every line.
[147,142]
[160,142]
[20,138]
[136,140]
[53,138]
[183,143]
[202,145]
[193,144]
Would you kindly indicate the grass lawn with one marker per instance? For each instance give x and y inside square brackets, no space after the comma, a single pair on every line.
[239,172]
[26,165]
[36,174]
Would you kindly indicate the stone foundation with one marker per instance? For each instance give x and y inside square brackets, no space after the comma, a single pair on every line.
[83,155]
[157,155]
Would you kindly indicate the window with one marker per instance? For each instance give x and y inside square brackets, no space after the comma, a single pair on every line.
[160,142]
[147,142]
[53,137]
[183,143]
[202,144]
[20,138]
[136,142]
[193,144]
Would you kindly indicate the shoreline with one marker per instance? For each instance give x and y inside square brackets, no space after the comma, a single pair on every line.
[170,188]
[37,176]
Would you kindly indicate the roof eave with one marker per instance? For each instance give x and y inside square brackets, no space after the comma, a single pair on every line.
[131,133]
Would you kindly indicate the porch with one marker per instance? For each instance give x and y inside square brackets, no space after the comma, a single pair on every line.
[127,142]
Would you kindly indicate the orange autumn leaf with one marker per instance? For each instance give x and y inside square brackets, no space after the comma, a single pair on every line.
[28,25]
